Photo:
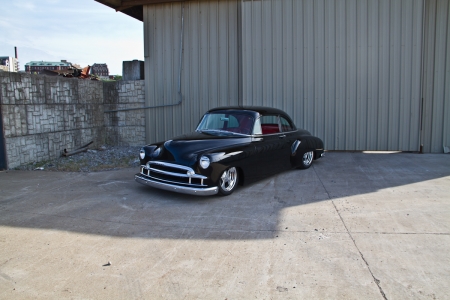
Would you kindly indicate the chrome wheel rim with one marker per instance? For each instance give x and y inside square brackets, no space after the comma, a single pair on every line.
[228,179]
[308,158]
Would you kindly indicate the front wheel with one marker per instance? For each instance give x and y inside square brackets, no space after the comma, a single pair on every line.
[228,181]
[307,159]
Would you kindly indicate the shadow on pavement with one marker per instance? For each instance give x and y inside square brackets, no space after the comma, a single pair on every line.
[110,203]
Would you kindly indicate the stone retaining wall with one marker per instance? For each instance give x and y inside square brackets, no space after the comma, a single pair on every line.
[124,127]
[44,115]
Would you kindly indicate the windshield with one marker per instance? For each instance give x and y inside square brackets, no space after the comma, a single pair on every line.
[227,123]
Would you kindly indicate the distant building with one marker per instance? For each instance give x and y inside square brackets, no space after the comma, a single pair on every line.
[100,70]
[8,63]
[38,66]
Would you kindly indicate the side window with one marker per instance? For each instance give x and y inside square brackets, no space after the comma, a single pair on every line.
[286,125]
[269,124]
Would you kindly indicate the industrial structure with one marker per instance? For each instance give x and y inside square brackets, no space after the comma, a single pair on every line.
[362,75]
[9,64]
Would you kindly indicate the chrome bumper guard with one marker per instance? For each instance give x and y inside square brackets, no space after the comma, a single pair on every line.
[175,188]
[173,177]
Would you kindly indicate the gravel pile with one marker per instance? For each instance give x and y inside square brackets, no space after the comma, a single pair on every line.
[102,159]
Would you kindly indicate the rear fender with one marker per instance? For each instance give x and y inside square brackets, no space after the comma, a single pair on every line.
[303,145]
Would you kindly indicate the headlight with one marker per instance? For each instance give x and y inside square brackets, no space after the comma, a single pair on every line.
[156,152]
[204,162]
[142,154]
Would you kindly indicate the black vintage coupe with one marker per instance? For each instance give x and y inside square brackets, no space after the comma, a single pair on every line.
[231,146]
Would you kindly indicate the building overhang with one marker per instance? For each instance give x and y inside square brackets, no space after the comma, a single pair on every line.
[133,8]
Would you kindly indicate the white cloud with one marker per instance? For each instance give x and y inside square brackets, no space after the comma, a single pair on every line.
[28,5]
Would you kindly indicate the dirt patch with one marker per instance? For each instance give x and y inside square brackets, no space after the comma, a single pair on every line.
[104,158]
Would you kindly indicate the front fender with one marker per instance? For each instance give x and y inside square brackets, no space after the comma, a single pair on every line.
[220,161]
[149,149]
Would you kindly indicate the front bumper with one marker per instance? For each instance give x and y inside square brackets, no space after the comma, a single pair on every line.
[175,188]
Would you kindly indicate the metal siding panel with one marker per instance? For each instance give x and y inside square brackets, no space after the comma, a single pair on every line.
[264,60]
[341,70]
[259,47]
[351,76]
[204,54]
[384,76]
[213,49]
[446,125]
[149,76]
[193,58]
[428,73]
[190,43]
[352,64]
[319,69]
[362,75]
[395,66]
[186,65]
[150,62]
[232,46]
[157,95]
[439,78]
[308,104]
[209,63]
[373,82]
[172,64]
[222,51]
[288,56]
[277,43]
[416,77]
[406,71]
[330,75]
[345,70]
[247,74]
[299,75]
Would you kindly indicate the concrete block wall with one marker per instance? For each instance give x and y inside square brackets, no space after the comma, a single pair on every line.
[44,115]
[124,120]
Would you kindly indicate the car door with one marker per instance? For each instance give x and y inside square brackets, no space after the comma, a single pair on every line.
[268,145]
[289,133]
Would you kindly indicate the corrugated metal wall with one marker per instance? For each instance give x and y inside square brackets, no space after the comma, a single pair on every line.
[353,72]
[436,82]
[349,71]
[209,74]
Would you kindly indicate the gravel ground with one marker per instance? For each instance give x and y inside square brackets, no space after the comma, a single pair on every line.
[102,159]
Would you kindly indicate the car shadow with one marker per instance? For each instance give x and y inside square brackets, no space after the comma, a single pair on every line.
[110,203]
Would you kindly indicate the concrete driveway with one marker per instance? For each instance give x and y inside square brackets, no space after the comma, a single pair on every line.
[353,226]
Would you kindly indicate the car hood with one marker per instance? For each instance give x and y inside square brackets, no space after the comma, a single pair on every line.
[186,148]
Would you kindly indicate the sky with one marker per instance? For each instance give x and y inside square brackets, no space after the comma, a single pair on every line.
[82,32]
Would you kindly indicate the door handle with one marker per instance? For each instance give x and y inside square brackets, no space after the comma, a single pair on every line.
[282,136]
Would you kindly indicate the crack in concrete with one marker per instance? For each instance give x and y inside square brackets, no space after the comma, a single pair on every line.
[376,280]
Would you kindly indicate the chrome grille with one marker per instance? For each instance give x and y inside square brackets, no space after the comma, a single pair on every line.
[172,173]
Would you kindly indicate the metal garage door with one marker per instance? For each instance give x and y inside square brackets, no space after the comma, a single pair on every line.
[348,71]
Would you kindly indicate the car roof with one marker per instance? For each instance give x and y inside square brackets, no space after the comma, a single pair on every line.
[260,109]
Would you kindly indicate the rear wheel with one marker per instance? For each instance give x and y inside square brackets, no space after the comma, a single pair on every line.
[228,181]
[307,159]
